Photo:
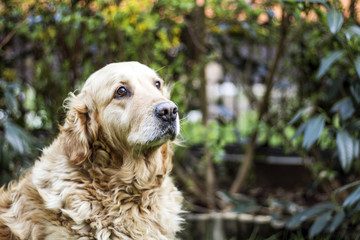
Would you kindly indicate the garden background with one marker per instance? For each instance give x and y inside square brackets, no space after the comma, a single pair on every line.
[268,91]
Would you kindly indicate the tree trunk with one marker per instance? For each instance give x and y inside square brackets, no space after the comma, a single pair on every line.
[194,38]
[199,21]
[262,110]
[353,12]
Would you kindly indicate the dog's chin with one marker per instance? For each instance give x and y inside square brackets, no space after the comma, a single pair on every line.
[155,138]
[160,138]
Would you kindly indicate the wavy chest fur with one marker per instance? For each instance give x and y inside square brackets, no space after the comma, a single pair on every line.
[103,200]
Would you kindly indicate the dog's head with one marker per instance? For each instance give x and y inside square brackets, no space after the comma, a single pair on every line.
[127,103]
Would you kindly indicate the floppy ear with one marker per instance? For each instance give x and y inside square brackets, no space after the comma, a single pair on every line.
[80,127]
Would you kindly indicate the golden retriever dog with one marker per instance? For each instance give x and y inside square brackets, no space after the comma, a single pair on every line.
[106,175]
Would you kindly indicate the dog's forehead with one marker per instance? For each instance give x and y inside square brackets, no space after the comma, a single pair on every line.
[131,71]
[114,73]
[103,83]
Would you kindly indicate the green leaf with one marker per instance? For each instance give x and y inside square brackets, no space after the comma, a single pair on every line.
[351,31]
[300,217]
[346,146]
[347,186]
[17,138]
[355,29]
[356,148]
[353,198]
[357,208]
[328,61]
[344,107]
[299,131]
[337,220]
[297,116]
[357,66]
[355,92]
[320,223]
[313,130]
[10,101]
[335,20]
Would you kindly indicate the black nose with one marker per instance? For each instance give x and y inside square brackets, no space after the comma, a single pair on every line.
[167,111]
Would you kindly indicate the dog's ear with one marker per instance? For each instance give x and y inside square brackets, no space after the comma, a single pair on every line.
[80,127]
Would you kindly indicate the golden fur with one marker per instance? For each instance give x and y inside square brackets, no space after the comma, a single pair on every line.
[106,175]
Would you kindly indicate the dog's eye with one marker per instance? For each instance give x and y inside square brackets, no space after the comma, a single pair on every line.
[121,92]
[158,84]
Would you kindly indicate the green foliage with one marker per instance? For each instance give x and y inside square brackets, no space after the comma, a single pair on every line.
[15,141]
[329,216]
[309,213]
[331,67]
[214,136]
[337,120]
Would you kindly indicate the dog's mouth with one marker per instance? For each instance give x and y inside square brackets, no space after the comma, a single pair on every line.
[168,132]
[164,133]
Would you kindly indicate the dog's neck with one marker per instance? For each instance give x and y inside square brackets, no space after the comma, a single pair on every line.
[138,171]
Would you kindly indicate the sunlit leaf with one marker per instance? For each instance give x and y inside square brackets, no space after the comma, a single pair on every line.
[313,130]
[17,138]
[345,107]
[345,146]
[328,61]
[300,217]
[320,223]
[353,198]
[335,20]
[337,220]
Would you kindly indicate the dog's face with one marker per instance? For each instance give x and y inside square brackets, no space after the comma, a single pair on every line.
[131,106]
